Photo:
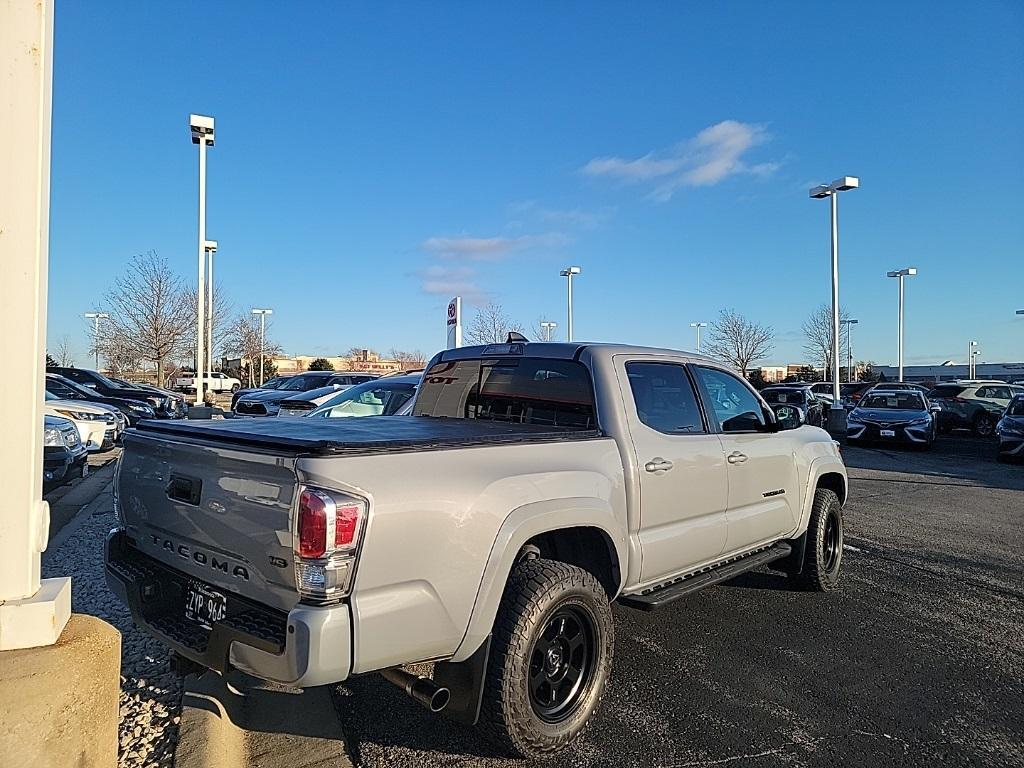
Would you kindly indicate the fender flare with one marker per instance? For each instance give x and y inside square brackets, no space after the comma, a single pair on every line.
[820,466]
[521,525]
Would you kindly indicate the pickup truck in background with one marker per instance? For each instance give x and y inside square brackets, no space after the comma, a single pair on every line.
[215,382]
[489,532]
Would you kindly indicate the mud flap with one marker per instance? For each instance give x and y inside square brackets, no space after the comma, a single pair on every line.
[465,680]
[793,563]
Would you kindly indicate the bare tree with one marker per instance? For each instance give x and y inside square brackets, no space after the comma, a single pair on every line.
[149,315]
[242,339]
[65,357]
[409,360]
[817,331]
[490,325]
[738,341]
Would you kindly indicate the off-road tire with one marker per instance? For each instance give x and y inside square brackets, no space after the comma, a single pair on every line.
[536,591]
[824,553]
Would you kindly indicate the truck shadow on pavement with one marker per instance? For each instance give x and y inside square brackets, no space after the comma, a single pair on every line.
[370,710]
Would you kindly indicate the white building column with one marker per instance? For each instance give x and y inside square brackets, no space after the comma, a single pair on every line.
[32,613]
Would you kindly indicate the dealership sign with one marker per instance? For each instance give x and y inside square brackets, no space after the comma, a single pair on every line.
[454,322]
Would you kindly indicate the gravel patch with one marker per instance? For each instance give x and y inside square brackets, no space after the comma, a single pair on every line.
[150,689]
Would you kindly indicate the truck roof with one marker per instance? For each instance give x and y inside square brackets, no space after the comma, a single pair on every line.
[570,350]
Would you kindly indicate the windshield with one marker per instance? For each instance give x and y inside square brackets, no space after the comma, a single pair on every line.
[1016,407]
[368,399]
[96,376]
[897,401]
[521,390]
[780,396]
[274,383]
[303,383]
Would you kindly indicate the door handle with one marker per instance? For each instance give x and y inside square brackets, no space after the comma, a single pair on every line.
[658,464]
[736,457]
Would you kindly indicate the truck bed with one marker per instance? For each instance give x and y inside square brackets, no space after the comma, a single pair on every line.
[361,436]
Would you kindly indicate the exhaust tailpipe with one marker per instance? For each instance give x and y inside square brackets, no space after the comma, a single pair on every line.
[422,690]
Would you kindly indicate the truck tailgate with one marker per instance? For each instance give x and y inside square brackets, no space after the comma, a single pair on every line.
[215,512]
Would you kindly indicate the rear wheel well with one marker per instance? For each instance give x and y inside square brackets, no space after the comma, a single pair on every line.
[835,483]
[588,548]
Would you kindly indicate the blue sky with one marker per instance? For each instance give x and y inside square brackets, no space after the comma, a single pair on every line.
[373,159]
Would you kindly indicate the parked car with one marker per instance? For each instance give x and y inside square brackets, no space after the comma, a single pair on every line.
[166,405]
[274,383]
[488,532]
[268,402]
[387,396]
[1010,431]
[303,403]
[799,396]
[853,391]
[66,389]
[974,405]
[821,389]
[901,386]
[99,426]
[892,416]
[64,455]
[216,381]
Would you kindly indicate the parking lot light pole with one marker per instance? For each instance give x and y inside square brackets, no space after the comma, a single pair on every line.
[900,274]
[548,327]
[849,348]
[971,352]
[96,317]
[837,413]
[210,246]
[201,127]
[698,326]
[263,335]
[569,273]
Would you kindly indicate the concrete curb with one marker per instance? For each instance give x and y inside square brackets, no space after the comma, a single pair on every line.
[238,721]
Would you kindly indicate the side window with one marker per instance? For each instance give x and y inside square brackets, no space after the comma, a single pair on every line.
[1001,393]
[664,397]
[984,392]
[735,406]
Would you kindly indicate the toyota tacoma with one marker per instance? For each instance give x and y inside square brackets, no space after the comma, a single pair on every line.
[488,532]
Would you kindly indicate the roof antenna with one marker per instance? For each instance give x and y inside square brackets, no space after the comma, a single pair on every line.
[514,337]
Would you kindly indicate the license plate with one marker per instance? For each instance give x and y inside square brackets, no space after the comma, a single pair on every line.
[887,433]
[204,606]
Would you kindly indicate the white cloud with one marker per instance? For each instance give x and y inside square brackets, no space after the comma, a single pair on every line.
[711,156]
[452,281]
[489,248]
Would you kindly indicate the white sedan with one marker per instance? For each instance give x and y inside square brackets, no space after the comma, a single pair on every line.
[99,426]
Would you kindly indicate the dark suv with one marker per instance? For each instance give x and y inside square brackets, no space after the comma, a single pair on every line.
[165,405]
[974,405]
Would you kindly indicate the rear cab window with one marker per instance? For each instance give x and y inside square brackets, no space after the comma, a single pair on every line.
[520,390]
[664,398]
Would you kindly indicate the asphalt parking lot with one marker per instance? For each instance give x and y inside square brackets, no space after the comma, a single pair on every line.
[918,660]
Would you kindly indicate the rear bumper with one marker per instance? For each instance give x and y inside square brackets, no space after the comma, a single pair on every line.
[308,646]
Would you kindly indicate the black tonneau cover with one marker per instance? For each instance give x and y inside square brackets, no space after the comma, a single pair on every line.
[361,435]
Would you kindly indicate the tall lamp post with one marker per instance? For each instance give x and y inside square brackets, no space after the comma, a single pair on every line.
[698,326]
[201,127]
[548,327]
[96,317]
[569,273]
[263,335]
[210,246]
[849,348]
[900,274]
[837,413]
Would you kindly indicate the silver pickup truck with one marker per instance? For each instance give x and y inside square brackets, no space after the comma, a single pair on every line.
[489,532]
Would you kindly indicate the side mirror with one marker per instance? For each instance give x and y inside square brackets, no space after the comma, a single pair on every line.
[789,417]
[934,407]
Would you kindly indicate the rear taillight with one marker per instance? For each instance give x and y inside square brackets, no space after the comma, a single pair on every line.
[326,538]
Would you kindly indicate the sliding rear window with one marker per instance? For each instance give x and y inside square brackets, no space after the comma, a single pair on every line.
[518,390]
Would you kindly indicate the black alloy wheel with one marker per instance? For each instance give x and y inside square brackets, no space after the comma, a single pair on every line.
[984,426]
[562,663]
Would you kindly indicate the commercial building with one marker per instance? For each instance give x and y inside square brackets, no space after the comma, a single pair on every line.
[932,374]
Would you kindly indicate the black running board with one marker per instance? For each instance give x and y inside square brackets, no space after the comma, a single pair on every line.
[656,597]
